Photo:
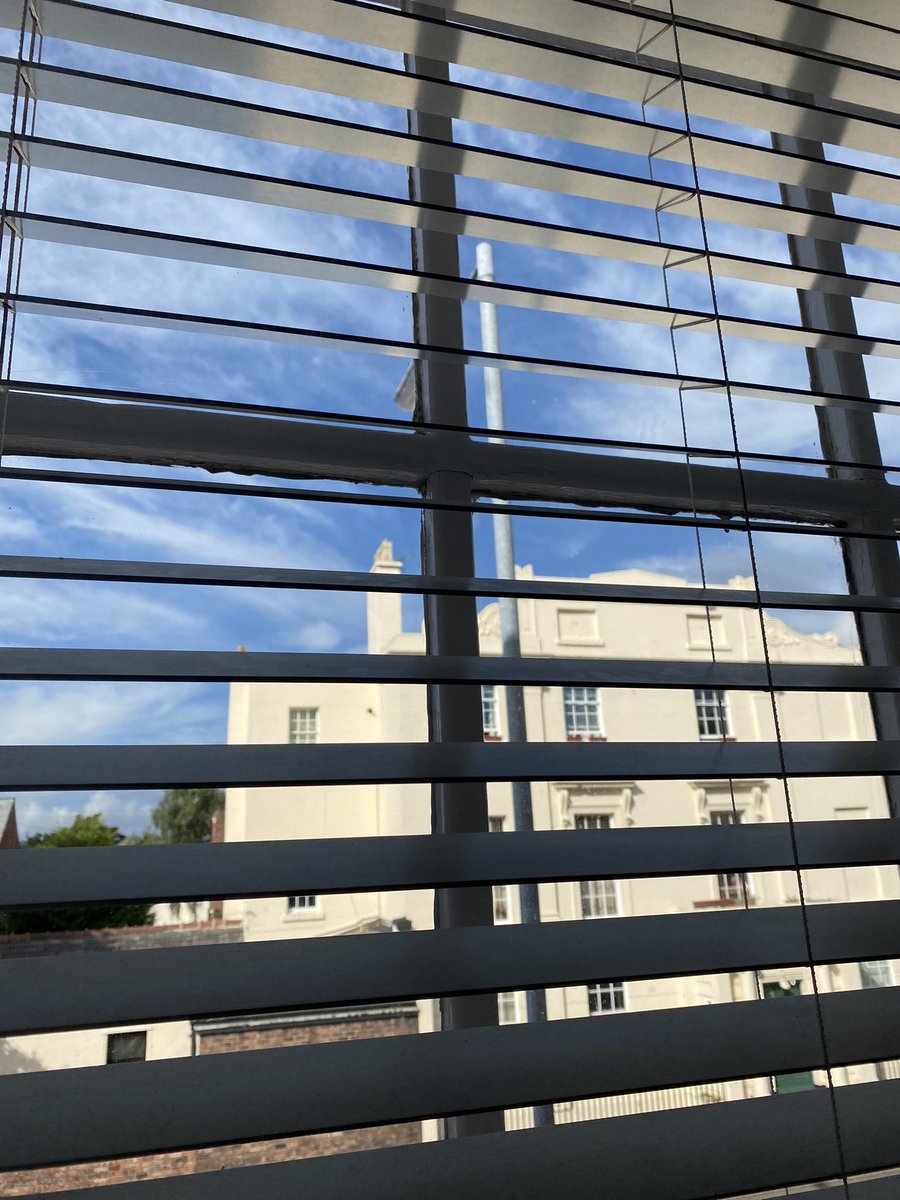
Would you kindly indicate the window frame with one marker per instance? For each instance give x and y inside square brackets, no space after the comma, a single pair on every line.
[121,1036]
[715,713]
[613,988]
[582,706]
[490,703]
[294,712]
[732,893]
[590,890]
[295,911]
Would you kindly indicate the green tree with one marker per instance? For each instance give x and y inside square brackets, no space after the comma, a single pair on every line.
[84,831]
[185,814]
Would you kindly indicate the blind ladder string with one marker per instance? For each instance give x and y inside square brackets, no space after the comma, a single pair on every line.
[690,252]
[756,583]
[15,240]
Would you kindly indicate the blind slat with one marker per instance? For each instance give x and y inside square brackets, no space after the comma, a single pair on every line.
[322,866]
[235,256]
[655,1154]
[548,61]
[221,1098]
[78,768]
[90,990]
[223,575]
[224,666]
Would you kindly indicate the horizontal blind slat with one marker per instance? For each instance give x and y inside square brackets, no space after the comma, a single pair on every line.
[750,1145]
[220,1098]
[224,666]
[89,990]
[124,874]
[78,768]
[234,256]
[583,67]
[225,575]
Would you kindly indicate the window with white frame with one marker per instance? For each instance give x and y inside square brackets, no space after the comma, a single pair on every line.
[582,710]
[713,717]
[502,892]
[606,997]
[509,1008]
[490,713]
[502,903]
[733,884]
[303,726]
[876,974]
[599,897]
[304,903]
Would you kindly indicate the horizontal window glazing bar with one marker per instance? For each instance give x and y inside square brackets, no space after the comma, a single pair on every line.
[481,507]
[64,428]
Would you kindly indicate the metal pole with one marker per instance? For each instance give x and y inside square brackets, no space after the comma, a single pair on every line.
[510,641]
[873,567]
[451,622]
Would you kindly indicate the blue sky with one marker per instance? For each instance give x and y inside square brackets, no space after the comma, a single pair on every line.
[92,521]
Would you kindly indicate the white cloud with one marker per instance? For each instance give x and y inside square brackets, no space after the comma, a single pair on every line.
[48,612]
[42,812]
[127,713]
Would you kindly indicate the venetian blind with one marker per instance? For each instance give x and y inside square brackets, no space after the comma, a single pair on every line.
[745,155]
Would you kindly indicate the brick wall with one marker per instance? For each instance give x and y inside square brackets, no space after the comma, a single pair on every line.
[128,937]
[218,1037]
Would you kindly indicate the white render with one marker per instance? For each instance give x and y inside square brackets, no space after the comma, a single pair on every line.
[397,713]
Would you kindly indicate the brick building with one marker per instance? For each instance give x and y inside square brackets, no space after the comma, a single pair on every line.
[180,1038]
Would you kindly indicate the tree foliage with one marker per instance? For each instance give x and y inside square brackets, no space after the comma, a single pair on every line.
[185,814]
[84,831]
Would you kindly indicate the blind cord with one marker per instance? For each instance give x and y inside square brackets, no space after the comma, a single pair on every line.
[762,625]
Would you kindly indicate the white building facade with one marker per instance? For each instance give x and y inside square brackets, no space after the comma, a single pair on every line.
[307,713]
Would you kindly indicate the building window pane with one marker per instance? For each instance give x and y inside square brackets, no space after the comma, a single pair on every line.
[303,903]
[599,897]
[303,726]
[713,718]
[126,1047]
[502,891]
[732,884]
[502,903]
[876,974]
[509,1007]
[490,716]
[606,997]
[582,710]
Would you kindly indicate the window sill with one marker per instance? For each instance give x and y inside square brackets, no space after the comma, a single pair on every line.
[315,914]
[711,737]
[492,737]
[580,737]
[722,903]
